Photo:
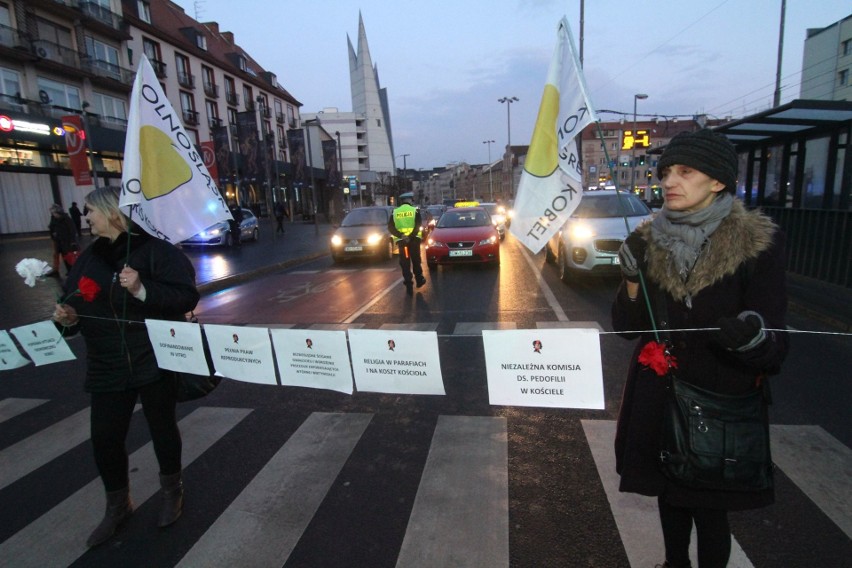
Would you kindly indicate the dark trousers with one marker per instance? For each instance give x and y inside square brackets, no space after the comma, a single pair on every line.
[110,422]
[409,259]
[280,220]
[711,525]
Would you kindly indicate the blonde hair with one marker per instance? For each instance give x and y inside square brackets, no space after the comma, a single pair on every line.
[105,200]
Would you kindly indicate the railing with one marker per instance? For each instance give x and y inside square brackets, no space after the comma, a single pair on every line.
[190,117]
[186,80]
[109,70]
[54,52]
[211,90]
[266,112]
[10,37]
[214,122]
[159,68]
[250,104]
[101,14]
[819,242]
[279,117]
[232,98]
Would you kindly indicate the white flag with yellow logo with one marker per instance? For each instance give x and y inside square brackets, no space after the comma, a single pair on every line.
[165,187]
[551,183]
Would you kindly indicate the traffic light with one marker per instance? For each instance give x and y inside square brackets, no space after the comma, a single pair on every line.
[642,160]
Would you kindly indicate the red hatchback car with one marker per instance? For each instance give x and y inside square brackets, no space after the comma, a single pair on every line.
[463,235]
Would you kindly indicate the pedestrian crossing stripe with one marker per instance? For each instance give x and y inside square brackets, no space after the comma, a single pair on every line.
[460,510]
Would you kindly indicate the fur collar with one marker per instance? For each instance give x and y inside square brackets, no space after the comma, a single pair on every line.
[741,236]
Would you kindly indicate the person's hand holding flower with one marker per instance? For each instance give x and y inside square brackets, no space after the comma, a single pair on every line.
[65,315]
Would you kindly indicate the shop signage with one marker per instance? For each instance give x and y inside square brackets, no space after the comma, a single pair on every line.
[75,139]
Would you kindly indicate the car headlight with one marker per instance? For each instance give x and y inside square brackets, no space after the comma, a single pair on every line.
[430,242]
[211,232]
[373,238]
[581,232]
[336,241]
[489,241]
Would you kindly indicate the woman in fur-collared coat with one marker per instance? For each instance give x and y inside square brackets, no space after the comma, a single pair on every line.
[718,267]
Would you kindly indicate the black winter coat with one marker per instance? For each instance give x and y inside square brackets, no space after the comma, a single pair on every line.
[119,353]
[742,269]
[63,232]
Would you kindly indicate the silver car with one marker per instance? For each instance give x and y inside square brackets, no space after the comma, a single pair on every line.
[588,243]
[220,233]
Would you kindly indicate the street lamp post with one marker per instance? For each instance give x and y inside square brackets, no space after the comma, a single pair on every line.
[268,197]
[490,181]
[636,98]
[311,168]
[343,180]
[89,143]
[509,101]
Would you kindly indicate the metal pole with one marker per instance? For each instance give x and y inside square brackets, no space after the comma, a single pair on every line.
[490,181]
[265,150]
[636,98]
[509,101]
[311,169]
[89,144]
[777,99]
[340,170]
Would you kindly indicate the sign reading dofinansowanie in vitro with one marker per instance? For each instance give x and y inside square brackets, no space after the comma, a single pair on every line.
[398,362]
[555,368]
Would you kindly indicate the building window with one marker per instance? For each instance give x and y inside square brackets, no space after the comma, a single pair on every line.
[201,41]
[59,94]
[184,77]
[10,82]
[144,10]
[105,56]
[846,47]
[843,78]
[110,108]
[231,96]
[187,105]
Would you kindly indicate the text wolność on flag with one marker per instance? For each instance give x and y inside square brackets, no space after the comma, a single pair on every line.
[165,187]
[551,183]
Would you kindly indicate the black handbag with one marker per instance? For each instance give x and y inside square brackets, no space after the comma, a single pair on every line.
[711,440]
[192,387]
[716,441]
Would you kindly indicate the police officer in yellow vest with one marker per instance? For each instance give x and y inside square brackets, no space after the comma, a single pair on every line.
[405,226]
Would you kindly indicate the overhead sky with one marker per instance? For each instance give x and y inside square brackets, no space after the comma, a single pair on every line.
[445,63]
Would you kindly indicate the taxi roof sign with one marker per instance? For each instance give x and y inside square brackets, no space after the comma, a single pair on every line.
[466,204]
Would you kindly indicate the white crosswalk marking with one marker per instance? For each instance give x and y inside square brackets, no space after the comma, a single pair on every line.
[11,407]
[66,526]
[461,513]
[636,516]
[820,465]
[264,523]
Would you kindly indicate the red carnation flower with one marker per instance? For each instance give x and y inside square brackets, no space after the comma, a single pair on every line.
[655,356]
[88,288]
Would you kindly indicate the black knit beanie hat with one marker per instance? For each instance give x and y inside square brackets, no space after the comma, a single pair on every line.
[707,152]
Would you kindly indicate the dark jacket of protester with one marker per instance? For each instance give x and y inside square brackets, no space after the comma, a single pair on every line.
[121,359]
[63,232]
[741,269]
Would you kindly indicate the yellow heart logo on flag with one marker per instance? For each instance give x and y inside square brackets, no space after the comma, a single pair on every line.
[163,168]
[543,156]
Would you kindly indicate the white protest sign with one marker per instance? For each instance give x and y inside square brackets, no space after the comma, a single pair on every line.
[178,346]
[43,343]
[554,368]
[10,357]
[313,358]
[241,353]
[398,362]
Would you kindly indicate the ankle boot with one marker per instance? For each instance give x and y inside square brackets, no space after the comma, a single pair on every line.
[118,508]
[172,503]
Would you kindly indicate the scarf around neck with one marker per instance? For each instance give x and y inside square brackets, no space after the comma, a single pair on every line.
[684,234]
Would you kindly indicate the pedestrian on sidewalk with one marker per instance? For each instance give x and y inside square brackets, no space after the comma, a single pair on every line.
[405,226]
[280,213]
[64,238]
[76,216]
[236,222]
[123,278]
[707,263]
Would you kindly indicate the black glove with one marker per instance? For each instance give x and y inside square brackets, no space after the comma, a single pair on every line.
[631,256]
[741,333]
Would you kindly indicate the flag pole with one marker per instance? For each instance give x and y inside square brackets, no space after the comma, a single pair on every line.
[623,210]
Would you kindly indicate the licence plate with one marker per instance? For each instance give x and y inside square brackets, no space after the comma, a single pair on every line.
[353,249]
[465,252]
